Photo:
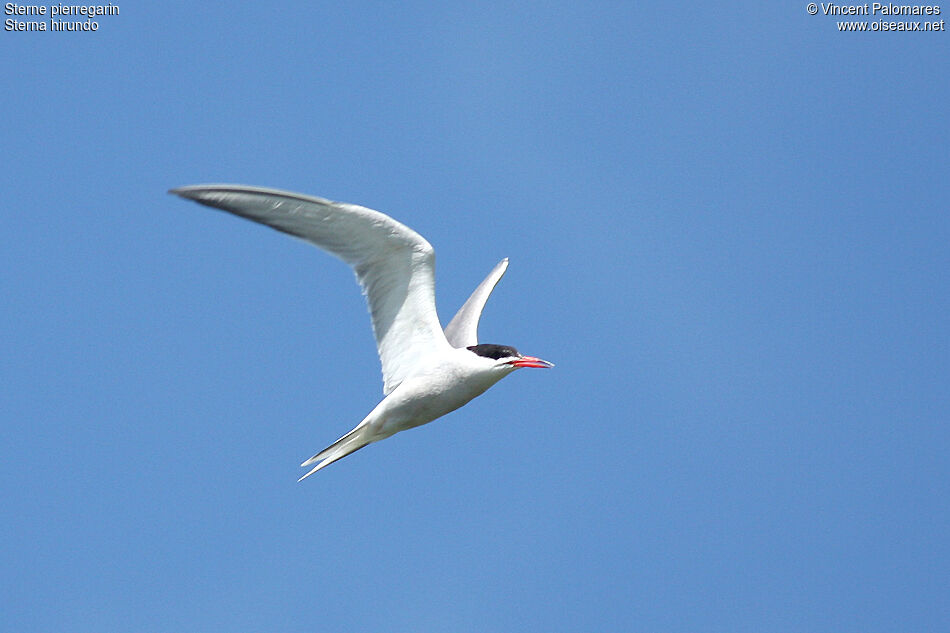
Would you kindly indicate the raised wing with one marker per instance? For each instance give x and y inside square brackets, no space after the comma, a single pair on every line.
[395,266]
[462,330]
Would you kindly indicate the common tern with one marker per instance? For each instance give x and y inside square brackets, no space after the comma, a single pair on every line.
[427,371]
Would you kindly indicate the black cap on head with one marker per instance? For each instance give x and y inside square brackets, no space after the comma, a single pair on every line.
[489,350]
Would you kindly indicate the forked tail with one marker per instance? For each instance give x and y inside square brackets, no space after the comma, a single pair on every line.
[349,443]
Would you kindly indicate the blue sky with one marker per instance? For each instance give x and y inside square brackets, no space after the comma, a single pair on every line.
[727,225]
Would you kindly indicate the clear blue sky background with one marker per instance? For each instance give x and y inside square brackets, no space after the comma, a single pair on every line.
[728,226]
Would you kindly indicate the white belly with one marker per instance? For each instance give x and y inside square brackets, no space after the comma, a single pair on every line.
[429,395]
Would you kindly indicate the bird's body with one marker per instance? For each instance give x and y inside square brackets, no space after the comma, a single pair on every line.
[426,372]
[441,387]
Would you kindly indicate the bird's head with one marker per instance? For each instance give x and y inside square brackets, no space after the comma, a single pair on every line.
[506,357]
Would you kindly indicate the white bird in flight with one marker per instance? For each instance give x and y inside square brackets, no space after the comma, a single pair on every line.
[427,372]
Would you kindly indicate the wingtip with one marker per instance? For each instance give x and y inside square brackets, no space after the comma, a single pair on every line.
[214,186]
[184,192]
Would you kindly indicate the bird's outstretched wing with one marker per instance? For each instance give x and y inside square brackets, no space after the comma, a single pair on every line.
[462,330]
[395,266]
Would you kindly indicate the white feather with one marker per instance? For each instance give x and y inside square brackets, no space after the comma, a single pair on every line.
[426,372]
[462,330]
[394,265]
